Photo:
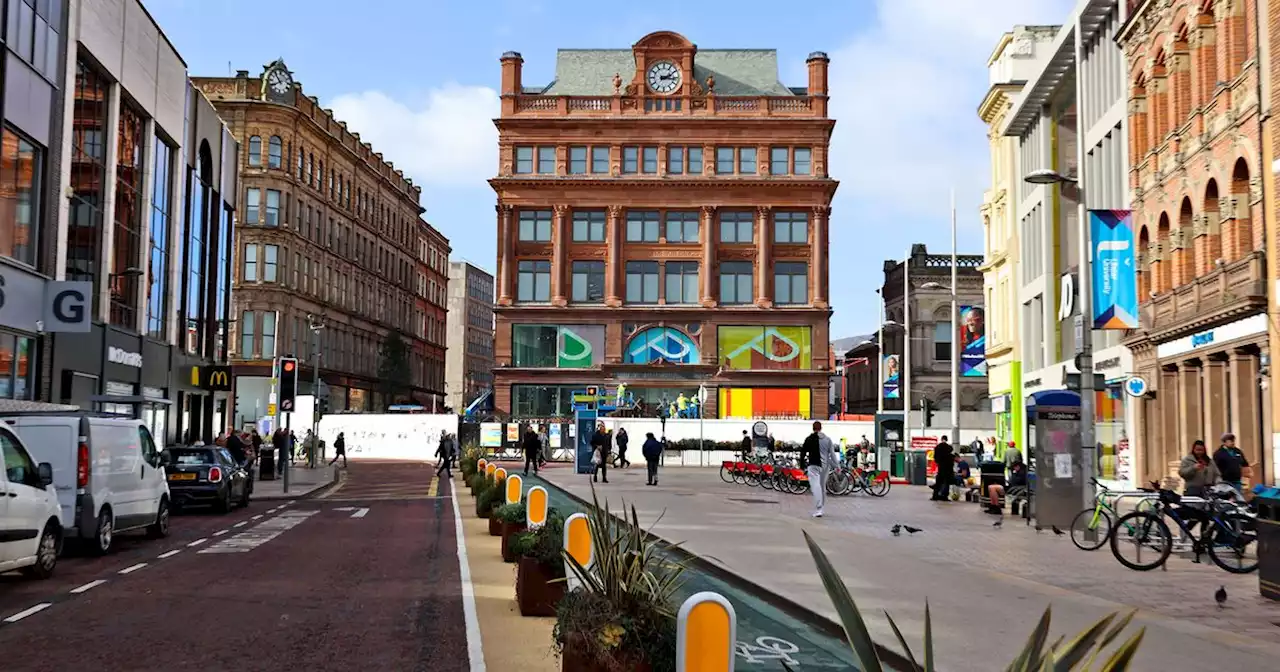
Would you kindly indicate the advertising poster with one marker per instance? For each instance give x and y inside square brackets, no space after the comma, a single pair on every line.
[766,348]
[973,342]
[553,437]
[513,433]
[491,434]
[892,377]
[1115,277]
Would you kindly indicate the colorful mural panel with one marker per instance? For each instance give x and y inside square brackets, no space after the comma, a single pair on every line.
[662,344]
[766,348]
[748,403]
[549,346]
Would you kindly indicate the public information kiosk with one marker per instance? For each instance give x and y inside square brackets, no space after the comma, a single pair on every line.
[1058,481]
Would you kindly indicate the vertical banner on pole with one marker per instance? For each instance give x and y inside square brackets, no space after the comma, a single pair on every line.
[1115,273]
[577,543]
[706,631]
[972,333]
[536,508]
[515,483]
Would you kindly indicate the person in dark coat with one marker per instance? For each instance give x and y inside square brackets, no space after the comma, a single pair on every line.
[444,455]
[622,439]
[340,450]
[600,444]
[532,446]
[652,451]
[280,441]
[945,458]
[235,446]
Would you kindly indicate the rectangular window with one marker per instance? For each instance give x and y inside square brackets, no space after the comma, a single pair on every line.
[791,283]
[735,283]
[275,152]
[577,160]
[803,161]
[20,169]
[273,208]
[533,282]
[546,160]
[746,160]
[630,160]
[535,345]
[779,161]
[535,226]
[268,335]
[126,234]
[588,226]
[735,227]
[249,268]
[588,281]
[600,160]
[791,228]
[158,254]
[246,335]
[695,160]
[524,160]
[642,226]
[650,165]
[724,160]
[255,151]
[88,155]
[675,160]
[942,341]
[682,282]
[682,227]
[270,259]
[252,204]
[642,282]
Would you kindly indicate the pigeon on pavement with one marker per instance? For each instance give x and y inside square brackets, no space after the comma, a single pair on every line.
[1056,530]
[1220,596]
[998,523]
[896,530]
[911,530]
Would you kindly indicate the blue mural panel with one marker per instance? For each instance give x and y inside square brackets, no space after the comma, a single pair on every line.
[661,344]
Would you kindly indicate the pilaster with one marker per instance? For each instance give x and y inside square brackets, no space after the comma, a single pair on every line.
[764,258]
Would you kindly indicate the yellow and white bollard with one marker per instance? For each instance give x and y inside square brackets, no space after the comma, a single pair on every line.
[577,542]
[481,464]
[499,475]
[515,485]
[536,507]
[490,468]
[706,631]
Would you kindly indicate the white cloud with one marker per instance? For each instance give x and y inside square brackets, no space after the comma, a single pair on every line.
[444,139]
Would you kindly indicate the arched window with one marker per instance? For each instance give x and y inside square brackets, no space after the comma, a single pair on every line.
[302,163]
[255,151]
[1161,266]
[1244,238]
[1211,236]
[275,152]
[1182,271]
[1144,277]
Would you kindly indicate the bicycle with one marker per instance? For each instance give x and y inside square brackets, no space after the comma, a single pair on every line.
[1224,525]
[1098,519]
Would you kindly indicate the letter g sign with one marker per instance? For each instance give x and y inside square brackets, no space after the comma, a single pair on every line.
[66,307]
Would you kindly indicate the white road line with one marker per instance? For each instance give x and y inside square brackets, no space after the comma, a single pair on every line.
[134,568]
[169,554]
[255,517]
[475,651]
[197,542]
[219,533]
[241,523]
[33,610]
[88,586]
[361,513]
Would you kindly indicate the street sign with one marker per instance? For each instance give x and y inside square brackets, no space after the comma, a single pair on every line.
[271,408]
[1136,386]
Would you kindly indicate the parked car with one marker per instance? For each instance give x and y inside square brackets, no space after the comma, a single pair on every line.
[106,471]
[206,476]
[30,518]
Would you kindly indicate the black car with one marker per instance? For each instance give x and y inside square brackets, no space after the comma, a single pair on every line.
[206,476]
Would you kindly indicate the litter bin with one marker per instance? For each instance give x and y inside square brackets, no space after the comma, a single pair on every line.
[899,469]
[1268,501]
[267,464]
[918,467]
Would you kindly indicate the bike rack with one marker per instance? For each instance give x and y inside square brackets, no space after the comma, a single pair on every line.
[1117,497]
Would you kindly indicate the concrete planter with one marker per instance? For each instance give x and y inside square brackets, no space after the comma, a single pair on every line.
[535,592]
[495,525]
[508,532]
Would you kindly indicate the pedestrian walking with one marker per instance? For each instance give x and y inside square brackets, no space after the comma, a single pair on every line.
[280,441]
[746,446]
[340,450]
[820,456]
[235,446]
[445,454]
[532,445]
[621,439]
[945,458]
[1198,470]
[652,451]
[600,454]
[1231,463]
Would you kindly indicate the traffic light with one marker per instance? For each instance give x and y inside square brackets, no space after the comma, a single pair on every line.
[926,409]
[288,383]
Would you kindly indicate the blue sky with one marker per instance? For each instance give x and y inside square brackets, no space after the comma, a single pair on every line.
[418,80]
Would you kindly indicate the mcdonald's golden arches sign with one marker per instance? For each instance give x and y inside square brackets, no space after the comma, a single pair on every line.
[212,378]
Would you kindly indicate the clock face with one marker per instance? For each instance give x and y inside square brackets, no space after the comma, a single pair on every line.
[278,80]
[664,77]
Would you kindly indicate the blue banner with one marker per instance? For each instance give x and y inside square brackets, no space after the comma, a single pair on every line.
[973,341]
[892,377]
[1115,278]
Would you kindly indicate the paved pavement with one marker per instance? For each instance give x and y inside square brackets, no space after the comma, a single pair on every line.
[986,586]
[302,481]
[305,584]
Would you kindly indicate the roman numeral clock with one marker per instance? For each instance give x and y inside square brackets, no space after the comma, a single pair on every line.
[663,78]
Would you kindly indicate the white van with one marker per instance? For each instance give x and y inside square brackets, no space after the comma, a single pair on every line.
[106,470]
[30,518]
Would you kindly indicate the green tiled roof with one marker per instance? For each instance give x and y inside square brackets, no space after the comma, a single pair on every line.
[738,72]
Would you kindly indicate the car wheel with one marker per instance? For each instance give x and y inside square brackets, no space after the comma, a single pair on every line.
[160,528]
[46,554]
[244,498]
[105,533]
[224,502]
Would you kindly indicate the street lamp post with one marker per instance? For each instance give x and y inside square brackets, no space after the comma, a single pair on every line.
[906,352]
[315,325]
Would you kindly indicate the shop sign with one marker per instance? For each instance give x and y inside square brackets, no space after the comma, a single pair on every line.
[31,303]
[1031,383]
[1249,326]
[1135,386]
[1104,364]
[124,357]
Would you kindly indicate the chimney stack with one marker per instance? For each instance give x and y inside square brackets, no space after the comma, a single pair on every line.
[818,62]
[511,66]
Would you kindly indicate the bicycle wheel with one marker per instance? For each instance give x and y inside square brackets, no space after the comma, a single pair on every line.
[1233,545]
[740,475]
[1141,530]
[767,480]
[876,485]
[837,483]
[1095,522]
[753,478]
[726,473]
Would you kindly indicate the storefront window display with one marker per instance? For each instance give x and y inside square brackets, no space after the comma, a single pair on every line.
[1113,444]
[15,366]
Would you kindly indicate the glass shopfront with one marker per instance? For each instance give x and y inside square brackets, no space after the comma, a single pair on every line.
[17,365]
[118,389]
[1114,461]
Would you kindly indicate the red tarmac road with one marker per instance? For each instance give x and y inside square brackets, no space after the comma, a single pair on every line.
[328,591]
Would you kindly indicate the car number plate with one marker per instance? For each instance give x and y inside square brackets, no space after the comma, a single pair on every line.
[182,477]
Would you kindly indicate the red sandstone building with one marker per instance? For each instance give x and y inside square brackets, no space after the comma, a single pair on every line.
[663,221]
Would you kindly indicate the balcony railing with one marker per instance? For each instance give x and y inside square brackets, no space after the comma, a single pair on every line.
[526,105]
[1237,284]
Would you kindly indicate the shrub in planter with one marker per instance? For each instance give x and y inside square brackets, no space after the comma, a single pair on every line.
[540,572]
[511,518]
[487,495]
[623,617]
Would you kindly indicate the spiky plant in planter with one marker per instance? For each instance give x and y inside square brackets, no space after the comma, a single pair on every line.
[487,493]
[1079,653]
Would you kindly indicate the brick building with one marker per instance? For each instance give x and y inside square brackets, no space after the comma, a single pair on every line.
[663,221]
[432,307]
[327,233]
[1197,198]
